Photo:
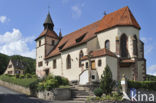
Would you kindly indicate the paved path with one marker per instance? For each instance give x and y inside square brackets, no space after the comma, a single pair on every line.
[9,96]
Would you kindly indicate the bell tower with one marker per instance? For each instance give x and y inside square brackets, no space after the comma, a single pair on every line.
[46,41]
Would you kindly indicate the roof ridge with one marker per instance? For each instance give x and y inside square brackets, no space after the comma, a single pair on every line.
[122,14]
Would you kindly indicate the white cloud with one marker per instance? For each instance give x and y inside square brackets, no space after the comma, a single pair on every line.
[152,69]
[76,11]
[3,19]
[12,43]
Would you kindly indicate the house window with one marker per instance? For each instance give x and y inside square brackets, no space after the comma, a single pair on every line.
[54,63]
[123,46]
[86,64]
[107,44]
[99,63]
[53,42]
[68,62]
[80,56]
[39,43]
[40,64]
[10,66]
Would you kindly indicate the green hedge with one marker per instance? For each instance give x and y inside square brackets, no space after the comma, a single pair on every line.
[25,82]
[150,85]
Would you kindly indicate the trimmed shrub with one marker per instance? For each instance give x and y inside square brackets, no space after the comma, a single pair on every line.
[107,83]
[98,92]
[150,85]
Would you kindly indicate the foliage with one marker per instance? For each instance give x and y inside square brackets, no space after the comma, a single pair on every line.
[50,82]
[27,75]
[150,77]
[29,63]
[64,86]
[98,92]
[114,97]
[25,82]
[4,60]
[62,80]
[107,82]
[150,85]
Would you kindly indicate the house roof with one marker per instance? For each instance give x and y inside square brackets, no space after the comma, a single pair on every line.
[99,53]
[121,17]
[17,64]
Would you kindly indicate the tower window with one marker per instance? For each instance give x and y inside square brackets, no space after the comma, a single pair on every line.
[53,42]
[40,64]
[107,44]
[54,63]
[39,43]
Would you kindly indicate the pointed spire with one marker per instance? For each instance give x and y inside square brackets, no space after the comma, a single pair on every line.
[60,34]
[48,22]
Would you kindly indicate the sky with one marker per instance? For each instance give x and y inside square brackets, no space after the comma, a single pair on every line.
[21,21]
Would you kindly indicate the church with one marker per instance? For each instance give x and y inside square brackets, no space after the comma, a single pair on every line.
[82,55]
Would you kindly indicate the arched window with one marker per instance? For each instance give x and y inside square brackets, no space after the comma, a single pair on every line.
[107,44]
[68,62]
[135,47]
[80,56]
[123,46]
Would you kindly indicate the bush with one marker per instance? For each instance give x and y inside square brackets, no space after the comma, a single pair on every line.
[107,82]
[28,75]
[98,92]
[21,76]
[62,80]
[150,85]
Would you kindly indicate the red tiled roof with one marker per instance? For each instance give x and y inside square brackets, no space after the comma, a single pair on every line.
[99,53]
[121,17]
[48,33]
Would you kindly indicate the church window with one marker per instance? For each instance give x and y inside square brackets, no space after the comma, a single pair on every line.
[135,47]
[68,62]
[80,56]
[99,62]
[54,63]
[107,44]
[123,46]
[39,43]
[86,64]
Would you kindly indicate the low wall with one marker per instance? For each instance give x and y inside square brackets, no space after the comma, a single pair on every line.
[56,94]
[15,87]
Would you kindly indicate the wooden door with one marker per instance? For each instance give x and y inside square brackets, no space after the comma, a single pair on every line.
[93,64]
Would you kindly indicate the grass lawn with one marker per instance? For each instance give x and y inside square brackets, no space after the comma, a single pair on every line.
[25,82]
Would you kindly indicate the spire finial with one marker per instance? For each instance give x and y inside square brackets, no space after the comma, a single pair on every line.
[60,34]
[105,13]
[48,8]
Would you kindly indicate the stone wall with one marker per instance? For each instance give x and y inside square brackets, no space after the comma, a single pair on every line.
[15,87]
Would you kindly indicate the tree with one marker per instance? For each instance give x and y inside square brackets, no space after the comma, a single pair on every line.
[107,83]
